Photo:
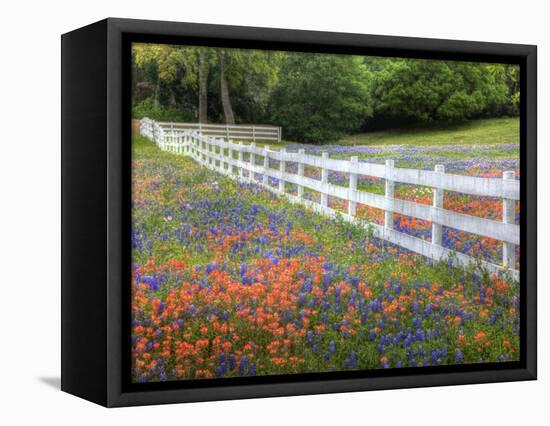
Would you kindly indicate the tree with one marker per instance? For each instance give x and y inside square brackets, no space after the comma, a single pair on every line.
[427,90]
[508,75]
[320,97]
[224,90]
[244,80]
[168,70]
[203,68]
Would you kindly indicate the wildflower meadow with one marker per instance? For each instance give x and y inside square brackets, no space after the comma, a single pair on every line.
[229,280]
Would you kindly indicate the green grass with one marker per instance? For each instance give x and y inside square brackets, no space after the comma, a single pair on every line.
[489,131]
[486,131]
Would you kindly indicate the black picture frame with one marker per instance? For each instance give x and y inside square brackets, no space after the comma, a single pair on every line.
[96,210]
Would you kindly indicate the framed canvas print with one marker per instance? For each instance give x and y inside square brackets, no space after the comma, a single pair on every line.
[253,212]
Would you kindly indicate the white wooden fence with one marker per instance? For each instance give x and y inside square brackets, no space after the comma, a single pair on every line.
[227,157]
[236,131]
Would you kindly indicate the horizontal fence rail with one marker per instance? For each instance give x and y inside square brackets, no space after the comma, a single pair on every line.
[227,131]
[227,157]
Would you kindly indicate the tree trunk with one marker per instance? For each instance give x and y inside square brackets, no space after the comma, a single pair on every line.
[226,101]
[173,102]
[203,86]
[156,93]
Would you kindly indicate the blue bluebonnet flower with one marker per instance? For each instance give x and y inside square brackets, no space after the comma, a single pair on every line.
[242,365]
[251,369]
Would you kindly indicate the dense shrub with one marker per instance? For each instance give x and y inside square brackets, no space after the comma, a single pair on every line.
[148,108]
[421,90]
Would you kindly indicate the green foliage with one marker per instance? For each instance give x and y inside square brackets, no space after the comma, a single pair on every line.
[317,98]
[251,76]
[510,74]
[320,98]
[426,90]
[148,108]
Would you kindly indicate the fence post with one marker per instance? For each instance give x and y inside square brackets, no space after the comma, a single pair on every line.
[172,139]
[282,167]
[300,189]
[197,147]
[227,131]
[352,185]
[508,216]
[240,159]
[230,153]
[211,151]
[252,162]
[324,180]
[215,153]
[221,154]
[266,165]
[437,229]
[388,214]
[171,145]
[212,143]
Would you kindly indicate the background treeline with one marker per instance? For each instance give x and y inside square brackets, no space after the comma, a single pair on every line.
[315,98]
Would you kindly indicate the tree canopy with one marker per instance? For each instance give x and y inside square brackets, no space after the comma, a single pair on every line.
[429,90]
[320,98]
[315,98]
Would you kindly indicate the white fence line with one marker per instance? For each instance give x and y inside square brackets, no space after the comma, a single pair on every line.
[227,131]
[219,155]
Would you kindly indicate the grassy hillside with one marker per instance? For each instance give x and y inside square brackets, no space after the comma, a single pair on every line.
[487,131]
